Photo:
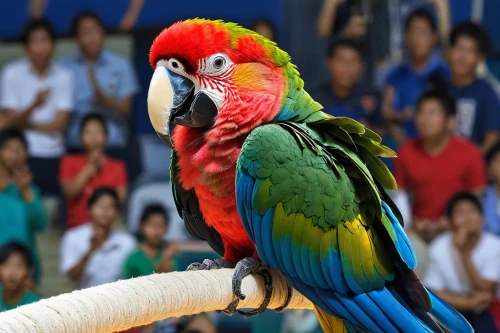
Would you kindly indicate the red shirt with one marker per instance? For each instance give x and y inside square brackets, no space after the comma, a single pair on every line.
[113,174]
[433,180]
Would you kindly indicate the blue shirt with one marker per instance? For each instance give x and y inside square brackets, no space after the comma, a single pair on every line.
[478,110]
[115,77]
[363,104]
[491,212]
[409,84]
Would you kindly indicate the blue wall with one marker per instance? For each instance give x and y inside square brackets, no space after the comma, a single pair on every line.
[14,13]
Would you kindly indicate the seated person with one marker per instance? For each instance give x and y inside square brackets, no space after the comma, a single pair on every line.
[22,213]
[94,253]
[81,174]
[345,95]
[491,200]
[37,97]
[16,268]
[152,255]
[105,82]
[464,267]
[431,168]
[478,106]
[406,82]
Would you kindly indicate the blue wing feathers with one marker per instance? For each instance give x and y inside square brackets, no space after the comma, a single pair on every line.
[329,266]
[402,242]
[266,231]
[448,316]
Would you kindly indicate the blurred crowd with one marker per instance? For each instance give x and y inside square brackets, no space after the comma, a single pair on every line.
[65,154]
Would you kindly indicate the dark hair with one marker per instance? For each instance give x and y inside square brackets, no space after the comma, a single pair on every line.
[471,30]
[13,247]
[153,209]
[446,100]
[101,192]
[337,43]
[93,117]
[75,24]
[35,24]
[460,197]
[492,153]
[421,14]
[266,22]
[12,134]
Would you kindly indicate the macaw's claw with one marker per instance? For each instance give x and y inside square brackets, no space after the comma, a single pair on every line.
[244,268]
[208,264]
[287,301]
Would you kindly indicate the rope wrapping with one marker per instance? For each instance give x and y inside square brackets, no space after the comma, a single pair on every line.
[125,304]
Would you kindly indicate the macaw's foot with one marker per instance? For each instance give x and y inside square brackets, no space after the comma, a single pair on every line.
[244,268]
[287,301]
[208,264]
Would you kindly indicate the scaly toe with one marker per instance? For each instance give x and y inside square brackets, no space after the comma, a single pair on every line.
[197,267]
[231,308]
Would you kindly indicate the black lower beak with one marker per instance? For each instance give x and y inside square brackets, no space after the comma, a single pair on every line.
[201,113]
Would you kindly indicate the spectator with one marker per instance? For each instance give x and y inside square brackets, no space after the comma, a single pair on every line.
[152,255]
[22,213]
[81,174]
[16,268]
[491,202]
[464,265]
[407,81]
[478,106]
[105,83]
[333,17]
[94,253]
[345,95]
[37,97]
[265,28]
[433,167]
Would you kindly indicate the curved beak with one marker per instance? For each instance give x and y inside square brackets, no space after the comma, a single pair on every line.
[168,93]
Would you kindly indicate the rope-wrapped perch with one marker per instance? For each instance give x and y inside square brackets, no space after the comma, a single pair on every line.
[124,304]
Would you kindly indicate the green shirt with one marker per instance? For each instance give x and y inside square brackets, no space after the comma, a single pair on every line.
[139,264]
[29,297]
[20,220]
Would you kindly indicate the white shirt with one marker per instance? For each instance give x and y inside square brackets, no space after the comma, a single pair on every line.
[446,271]
[105,264]
[19,85]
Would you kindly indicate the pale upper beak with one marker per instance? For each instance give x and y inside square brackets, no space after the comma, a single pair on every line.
[171,97]
[168,92]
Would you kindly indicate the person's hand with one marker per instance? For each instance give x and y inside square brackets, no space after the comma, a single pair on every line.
[41,98]
[406,114]
[93,82]
[97,239]
[460,238]
[98,159]
[465,240]
[22,177]
[170,250]
[481,300]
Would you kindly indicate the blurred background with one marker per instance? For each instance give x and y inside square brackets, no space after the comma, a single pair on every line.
[85,197]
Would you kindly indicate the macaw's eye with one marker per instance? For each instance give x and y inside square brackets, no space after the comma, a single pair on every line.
[219,62]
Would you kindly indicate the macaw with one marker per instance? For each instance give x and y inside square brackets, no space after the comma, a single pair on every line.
[269,180]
